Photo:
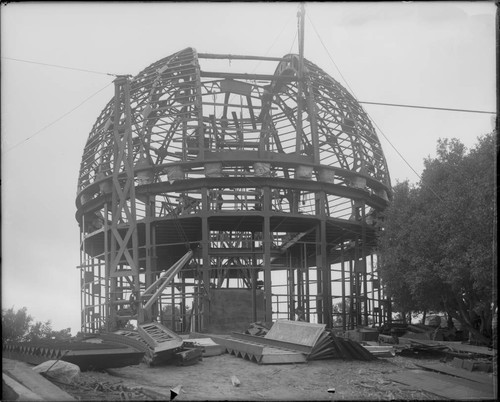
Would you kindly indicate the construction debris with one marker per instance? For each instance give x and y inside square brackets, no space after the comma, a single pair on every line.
[362,334]
[330,346]
[444,385]
[258,329]
[477,364]
[293,342]
[188,357]
[163,343]
[13,390]
[235,381]
[207,346]
[24,382]
[380,351]
[175,391]
[407,346]
[462,372]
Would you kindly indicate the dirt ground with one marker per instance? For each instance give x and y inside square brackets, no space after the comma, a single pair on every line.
[210,379]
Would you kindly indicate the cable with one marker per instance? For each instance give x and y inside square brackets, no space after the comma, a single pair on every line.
[402,157]
[58,66]
[428,107]
[374,122]
[293,43]
[60,118]
[391,104]
[272,45]
[329,55]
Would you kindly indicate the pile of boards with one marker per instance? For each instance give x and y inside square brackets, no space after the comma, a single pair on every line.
[292,342]
[407,345]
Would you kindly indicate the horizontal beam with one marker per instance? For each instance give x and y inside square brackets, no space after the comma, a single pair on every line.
[238,57]
[237,182]
[244,76]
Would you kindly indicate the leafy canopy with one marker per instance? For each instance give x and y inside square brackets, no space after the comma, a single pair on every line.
[437,246]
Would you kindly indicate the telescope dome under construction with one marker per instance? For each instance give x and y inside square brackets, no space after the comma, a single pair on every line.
[264,190]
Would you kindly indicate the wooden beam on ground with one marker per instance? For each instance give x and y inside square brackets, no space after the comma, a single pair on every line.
[35,382]
[443,385]
[482,378]
[19,391]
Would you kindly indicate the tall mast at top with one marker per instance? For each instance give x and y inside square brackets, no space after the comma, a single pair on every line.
[301,26]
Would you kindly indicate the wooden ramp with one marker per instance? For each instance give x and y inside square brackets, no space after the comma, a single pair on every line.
[443,385]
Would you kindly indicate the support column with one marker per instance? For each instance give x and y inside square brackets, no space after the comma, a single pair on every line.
[364,265]
[266,244]
[151,312]
[322,264]
[205,246]
[342,273]
[123,206]
[291,287]
[352,284]
[253,273]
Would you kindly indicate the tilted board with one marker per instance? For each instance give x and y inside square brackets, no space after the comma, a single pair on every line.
[302,333]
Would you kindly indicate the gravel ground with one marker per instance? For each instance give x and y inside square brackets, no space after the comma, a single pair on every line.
[210,379]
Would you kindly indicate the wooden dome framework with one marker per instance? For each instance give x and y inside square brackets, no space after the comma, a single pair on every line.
[275,181]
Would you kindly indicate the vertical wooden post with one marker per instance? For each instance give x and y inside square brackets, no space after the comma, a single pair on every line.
[365,267]
[205,247]
[342,273]
[266,244]
[300,84]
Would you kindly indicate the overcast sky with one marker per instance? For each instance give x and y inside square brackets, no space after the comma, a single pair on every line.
[429,54]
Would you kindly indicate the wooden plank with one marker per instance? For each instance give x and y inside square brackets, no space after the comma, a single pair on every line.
[273,342]
[21,392]
[443,385]
[302,333]
[22,373]
[278,356]
[482,378]
[483,350]
[240,346]
[209,347]
[382,351]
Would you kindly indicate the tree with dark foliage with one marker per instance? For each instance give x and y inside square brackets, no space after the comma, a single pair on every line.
[437,248]
[17,327]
